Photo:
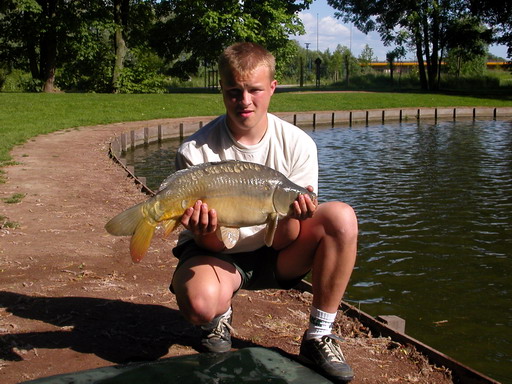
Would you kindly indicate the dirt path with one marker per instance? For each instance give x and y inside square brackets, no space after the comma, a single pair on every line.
[71,299]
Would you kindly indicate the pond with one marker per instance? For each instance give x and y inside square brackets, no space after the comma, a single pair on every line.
[434,202]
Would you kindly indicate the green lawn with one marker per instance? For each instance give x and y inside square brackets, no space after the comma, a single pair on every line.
[25,115]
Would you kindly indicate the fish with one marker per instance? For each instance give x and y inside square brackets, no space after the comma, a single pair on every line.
[243,194]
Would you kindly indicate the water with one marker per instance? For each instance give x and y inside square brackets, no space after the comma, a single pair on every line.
[434,203]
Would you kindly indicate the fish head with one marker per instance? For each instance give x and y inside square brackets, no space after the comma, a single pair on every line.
[284,196]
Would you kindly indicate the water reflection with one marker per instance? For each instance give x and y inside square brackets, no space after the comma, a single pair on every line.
[434,203]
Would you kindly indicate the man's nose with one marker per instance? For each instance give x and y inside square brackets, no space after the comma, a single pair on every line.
[246,99]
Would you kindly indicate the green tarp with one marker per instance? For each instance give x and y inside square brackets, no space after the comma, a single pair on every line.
[247,366]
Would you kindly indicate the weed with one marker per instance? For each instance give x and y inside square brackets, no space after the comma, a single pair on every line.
[5,223]
[14,199]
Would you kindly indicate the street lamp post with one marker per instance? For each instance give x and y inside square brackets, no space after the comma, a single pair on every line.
[308,66]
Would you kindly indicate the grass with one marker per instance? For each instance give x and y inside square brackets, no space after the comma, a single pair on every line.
[25,115]
[14,199]
[6,223]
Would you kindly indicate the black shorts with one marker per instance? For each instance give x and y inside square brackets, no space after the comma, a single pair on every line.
[257,268]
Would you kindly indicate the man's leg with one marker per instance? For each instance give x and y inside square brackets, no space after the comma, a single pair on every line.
[204,287]
[326,244]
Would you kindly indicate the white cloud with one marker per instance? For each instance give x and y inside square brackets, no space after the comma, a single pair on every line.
[327,31]
[331,33]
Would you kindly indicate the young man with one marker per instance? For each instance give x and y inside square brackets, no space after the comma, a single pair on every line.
[318,238]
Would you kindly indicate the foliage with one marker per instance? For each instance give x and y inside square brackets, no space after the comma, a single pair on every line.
[17,80]
[91,45]
[469,82]
[87,60]
[498,14]
[141,73]
[189,33]
[349,64]
[366,57]
[424,26]
[467,42]
[152,45]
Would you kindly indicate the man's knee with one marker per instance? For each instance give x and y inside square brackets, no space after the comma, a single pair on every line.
[339,220]
[197,308]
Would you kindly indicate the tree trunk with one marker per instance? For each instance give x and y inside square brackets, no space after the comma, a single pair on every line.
[439,67]
[421,64]
[426,49]
[31,41]
[32,59]
[120,19]
[48,47]
[434,62]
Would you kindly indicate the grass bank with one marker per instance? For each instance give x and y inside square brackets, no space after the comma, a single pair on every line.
[25,115]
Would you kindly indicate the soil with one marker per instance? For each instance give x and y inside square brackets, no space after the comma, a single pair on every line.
[71,299]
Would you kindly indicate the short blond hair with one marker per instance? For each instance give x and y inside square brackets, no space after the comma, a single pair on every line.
[240,59]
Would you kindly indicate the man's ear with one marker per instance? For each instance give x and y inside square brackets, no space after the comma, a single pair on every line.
[273,85]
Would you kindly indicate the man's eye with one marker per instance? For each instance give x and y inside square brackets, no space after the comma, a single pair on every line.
[233,93]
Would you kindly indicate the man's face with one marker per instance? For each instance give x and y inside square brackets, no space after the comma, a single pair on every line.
[247,100]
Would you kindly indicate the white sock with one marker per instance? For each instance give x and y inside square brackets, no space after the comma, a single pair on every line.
[320,323]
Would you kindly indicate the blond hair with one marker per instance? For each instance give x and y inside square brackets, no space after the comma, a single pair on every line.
[241,59]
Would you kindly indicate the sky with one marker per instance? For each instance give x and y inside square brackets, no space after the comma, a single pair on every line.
[331,32]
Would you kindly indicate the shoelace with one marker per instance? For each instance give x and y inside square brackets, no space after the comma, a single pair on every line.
[332,349]
[219,328]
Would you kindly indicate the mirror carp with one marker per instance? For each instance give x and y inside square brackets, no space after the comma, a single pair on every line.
[243,194]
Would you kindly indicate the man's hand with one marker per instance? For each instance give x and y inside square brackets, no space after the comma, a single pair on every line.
[304,207]
[203,224]
[199,220]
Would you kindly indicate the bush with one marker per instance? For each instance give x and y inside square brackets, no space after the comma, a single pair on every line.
[141,73]
[381,81]
[18,81]
[469,82]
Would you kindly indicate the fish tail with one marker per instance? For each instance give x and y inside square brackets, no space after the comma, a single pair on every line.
[126,222]
[141,239]
[134,222]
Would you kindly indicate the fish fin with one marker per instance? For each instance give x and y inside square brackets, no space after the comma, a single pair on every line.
[141,239]
[169,226]
[229,236]
[271,228]
[125,223]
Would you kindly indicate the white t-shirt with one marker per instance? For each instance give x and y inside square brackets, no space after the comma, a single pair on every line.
[284,147]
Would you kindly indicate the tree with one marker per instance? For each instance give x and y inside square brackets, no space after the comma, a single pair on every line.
[467,41]
[31,32]
[109,45]
[121,11]
[424,22]
[498,14]
[191,32]
[84,42]
[366,57]
[348,64]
